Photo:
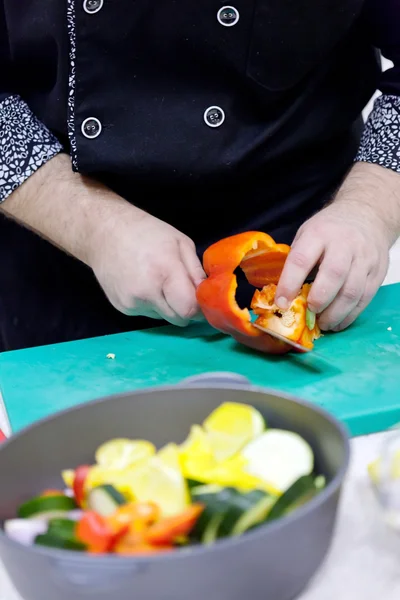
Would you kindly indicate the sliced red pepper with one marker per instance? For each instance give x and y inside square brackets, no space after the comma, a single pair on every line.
[169,529]
[78,485]
[262,261]
[94,531]
[2,436]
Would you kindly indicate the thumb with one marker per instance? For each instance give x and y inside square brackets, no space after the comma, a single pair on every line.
[192,262]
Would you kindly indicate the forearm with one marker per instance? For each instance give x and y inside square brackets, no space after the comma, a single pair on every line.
[373,189]
[66,208]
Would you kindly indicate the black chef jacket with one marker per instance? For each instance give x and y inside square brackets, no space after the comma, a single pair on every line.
[215,118]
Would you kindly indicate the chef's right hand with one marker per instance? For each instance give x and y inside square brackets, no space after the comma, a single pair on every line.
[146,267]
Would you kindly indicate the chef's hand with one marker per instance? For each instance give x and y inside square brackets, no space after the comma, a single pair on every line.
[351,249]
[147,268]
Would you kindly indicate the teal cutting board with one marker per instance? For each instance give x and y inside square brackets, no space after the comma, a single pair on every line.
[354,374]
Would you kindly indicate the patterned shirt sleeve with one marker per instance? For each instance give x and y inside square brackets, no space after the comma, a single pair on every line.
[380,142]
[25,144]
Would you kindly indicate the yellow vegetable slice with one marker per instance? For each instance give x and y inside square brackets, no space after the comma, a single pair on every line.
[231,426]
[196,455]
[160,480]
[123,453]
[120,479]
[68,477]
[233,473]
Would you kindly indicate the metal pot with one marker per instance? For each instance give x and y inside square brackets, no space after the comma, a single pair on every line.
[273,562]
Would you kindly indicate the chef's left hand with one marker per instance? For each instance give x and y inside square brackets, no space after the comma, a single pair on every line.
[351,250]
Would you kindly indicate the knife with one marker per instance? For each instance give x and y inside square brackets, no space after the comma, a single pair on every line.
[280,337]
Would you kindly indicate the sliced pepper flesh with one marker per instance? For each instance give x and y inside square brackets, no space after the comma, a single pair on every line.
[262,261]
[297,323]
[169,529]
[94,531]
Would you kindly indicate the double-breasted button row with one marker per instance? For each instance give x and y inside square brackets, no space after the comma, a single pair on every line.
[214,116]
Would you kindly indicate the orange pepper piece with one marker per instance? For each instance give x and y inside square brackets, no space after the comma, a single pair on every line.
[135,516]
[166,531]
[94,531]
[291,323]
[262,261]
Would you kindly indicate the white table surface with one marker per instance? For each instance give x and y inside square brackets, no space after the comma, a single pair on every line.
[364,561]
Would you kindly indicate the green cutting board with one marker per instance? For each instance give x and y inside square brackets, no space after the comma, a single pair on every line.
[354,374]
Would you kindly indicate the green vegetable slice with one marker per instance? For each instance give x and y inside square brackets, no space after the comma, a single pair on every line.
[46,506]
[53,541]
[105,499]
[254,516]
[310,319]
[301,492]
[192,483]
[210,533]
[63,528]
[228,511]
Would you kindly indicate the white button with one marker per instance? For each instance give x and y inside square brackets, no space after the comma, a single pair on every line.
[214,116]
[92,6]
[91,128]
[228,16]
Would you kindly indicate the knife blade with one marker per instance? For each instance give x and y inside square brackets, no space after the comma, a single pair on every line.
[280,337]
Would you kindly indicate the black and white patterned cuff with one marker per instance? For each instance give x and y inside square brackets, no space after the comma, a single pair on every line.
[380,143]
[25,144]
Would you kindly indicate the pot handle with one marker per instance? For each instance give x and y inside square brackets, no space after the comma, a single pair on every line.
[217,377]
[90,579]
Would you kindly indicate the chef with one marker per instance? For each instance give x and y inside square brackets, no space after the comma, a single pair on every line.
[134,134]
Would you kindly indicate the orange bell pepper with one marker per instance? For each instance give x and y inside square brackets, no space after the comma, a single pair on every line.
[262,261]
[94,531]
[136,516]
[296,323]
[168,530]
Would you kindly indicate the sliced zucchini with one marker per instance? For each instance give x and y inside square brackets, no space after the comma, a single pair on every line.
[210,533]
[105,499]
[214,499]
[64,528]
[229,512]
[239,505]
[254,516]
[46,507]
[192,483]
[53,541]
[301,492]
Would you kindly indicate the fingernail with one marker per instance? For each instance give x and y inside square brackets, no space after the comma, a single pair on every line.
[282,302]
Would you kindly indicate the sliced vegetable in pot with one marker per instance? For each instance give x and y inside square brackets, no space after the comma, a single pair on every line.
[231,475]
[301,492]
[46,507]
[52,541]
[105,499]
[237,512]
